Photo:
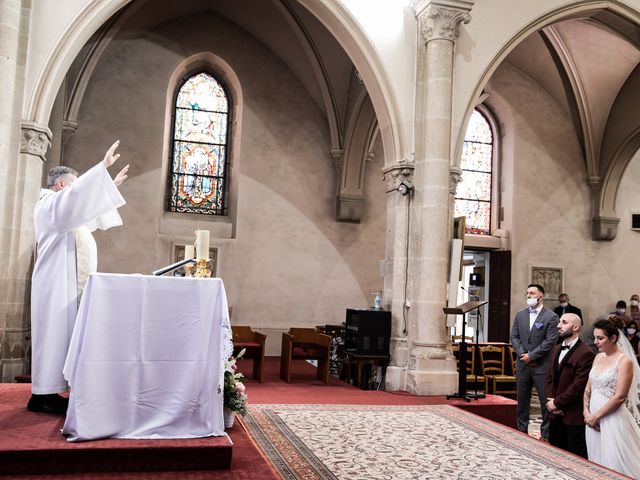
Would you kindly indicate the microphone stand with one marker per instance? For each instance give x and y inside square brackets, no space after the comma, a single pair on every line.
[476,353]
[173,266]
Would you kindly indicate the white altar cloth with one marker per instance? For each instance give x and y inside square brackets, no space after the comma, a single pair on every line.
[146,358]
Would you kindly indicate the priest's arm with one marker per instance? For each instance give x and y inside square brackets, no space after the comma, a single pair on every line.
[91,200]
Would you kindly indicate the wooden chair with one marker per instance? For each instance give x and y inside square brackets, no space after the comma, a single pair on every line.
[506,384]
[472,379]
[492,364]
[305,344]
[253,342]
[458,339]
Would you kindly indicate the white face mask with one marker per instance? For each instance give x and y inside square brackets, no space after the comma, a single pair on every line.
[621,311]
[631,331]
[532,302]
[634,303]
[564,304]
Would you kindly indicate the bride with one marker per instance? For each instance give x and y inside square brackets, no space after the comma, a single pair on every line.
[611,401]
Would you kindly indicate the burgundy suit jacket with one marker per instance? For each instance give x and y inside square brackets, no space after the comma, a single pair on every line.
[566,382]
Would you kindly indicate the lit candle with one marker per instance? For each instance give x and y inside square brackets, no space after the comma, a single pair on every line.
[188,252]
[202,244]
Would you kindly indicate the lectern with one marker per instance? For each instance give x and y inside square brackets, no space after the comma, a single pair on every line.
[462,369]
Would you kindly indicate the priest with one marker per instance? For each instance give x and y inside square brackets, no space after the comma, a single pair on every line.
[65,215]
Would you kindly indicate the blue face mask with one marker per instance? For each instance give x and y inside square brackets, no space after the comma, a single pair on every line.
[621,311]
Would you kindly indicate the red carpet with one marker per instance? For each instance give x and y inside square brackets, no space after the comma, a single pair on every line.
[32,447]
[37,436]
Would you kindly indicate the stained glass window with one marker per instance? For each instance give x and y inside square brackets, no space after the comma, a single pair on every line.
[199,161]
[473,195]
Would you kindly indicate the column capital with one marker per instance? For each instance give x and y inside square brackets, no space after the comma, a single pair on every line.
[336,154]
[455,177]
[35,139]
[68,129]
[440,19]
[604,228]
[398,173]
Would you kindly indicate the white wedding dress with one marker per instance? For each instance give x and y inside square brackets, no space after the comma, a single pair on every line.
[617,444]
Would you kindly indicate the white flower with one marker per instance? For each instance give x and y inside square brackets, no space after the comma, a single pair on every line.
[240,388]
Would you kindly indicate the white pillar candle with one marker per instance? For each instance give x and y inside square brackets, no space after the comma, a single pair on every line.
[188,252]
[202,244]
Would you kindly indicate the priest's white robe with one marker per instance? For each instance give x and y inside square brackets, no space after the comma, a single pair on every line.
[61,217]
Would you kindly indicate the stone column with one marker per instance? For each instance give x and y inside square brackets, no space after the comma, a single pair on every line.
[395,275]
[10,11]
[431,368]
[10,23]
[34,141]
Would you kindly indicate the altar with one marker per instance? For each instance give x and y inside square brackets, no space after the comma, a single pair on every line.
[146,358]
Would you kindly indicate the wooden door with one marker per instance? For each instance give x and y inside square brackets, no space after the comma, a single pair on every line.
[499,296]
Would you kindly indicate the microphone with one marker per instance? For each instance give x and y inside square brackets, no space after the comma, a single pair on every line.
[471,294]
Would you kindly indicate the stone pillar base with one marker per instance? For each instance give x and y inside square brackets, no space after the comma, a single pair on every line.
[440,379]
[13,367]
[395,378]
[399,351]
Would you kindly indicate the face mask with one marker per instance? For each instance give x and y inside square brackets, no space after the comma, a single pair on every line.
[631,331]
[621,311]
[564,304]
[634,303]
[532,301]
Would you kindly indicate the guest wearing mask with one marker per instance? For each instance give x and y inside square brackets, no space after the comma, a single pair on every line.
[533,335]
[621,311]
[634,309]
[566,307]
[631,331]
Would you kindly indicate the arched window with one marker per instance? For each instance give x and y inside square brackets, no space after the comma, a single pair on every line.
[199,162]
[473,195]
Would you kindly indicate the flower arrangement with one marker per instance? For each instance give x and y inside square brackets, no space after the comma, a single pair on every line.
[235,396]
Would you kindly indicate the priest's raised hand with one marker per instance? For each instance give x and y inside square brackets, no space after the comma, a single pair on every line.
[109,159]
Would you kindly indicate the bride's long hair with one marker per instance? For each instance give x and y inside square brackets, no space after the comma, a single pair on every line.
[615,326]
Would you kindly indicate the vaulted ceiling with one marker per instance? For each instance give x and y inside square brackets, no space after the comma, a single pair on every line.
[589,65]
[298,39]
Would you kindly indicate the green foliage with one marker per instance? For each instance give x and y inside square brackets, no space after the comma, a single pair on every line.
[235,397]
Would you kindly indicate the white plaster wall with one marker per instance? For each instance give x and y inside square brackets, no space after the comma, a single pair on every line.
[551,205]
[378,35]
[290,263]
[390,26]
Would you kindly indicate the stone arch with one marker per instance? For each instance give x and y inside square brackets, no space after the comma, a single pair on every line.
[362,130]
[604,223]
[335,16]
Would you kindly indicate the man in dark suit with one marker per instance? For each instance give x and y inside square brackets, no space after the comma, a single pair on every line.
[566,307]
[567,378]
[533,335]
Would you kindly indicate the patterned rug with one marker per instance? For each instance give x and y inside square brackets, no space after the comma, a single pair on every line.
[403,442]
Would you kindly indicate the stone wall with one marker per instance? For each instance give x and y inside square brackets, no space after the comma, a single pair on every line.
[285,260]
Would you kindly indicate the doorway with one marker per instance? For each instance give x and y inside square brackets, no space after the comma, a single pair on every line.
[486,276]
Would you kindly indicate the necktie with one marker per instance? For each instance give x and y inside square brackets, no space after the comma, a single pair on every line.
[532,310]
[565,347]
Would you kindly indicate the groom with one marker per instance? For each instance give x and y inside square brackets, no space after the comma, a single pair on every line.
[567,378]
[533,335]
